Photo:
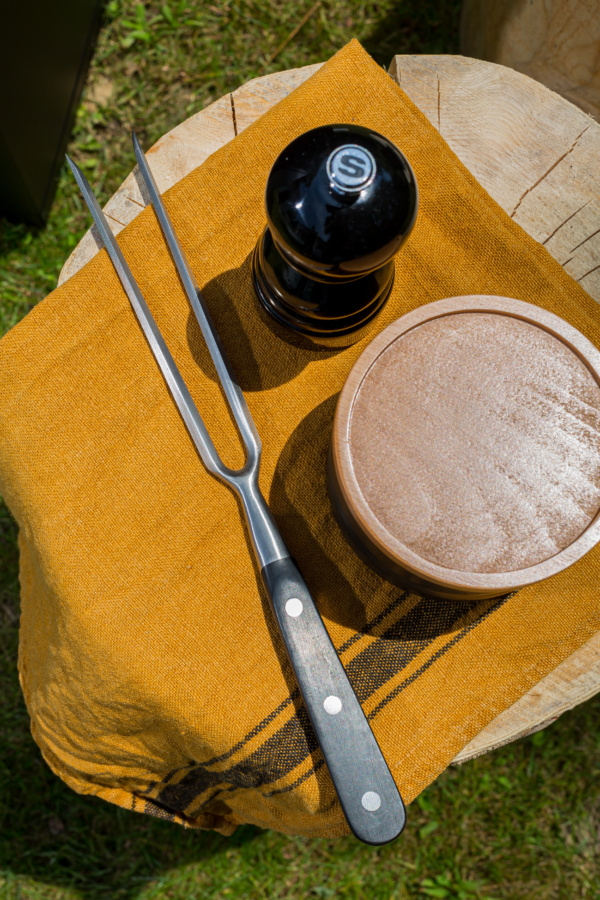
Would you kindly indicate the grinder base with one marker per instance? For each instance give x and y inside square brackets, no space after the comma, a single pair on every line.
[330,313]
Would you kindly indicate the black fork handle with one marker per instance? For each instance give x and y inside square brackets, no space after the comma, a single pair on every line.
[364,784]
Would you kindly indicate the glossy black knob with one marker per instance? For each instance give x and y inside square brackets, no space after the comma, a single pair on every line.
[340,201]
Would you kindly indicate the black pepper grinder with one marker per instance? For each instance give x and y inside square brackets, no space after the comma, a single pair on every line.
[340,201]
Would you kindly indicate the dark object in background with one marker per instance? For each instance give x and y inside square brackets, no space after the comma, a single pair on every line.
[45,51]
[340,202]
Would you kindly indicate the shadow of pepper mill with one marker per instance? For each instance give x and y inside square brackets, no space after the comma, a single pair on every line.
[340,201]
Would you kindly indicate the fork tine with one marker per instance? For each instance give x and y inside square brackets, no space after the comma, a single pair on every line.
[172,376]
[233,392]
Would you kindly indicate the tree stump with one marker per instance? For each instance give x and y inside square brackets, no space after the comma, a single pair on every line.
[556,42]
[534,152]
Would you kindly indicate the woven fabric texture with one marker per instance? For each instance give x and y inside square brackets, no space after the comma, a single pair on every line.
[149,660]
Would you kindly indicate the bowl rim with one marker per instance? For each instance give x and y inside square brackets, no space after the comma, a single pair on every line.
[347,483]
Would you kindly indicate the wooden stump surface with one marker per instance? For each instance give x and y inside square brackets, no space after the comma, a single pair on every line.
[556,42]
[533,151]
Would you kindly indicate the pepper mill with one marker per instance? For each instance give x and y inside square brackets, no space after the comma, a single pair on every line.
[340,202]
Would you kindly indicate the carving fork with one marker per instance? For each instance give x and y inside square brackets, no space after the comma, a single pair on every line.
[367,792]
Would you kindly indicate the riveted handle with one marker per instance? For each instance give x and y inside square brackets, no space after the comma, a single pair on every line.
[367,792]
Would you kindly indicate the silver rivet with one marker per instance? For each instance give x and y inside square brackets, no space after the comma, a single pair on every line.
[294,607]
[332,705]
[371,801]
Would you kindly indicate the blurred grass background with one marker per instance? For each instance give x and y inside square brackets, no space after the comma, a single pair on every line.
[522,822]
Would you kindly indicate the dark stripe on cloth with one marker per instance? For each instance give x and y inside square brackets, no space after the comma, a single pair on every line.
[372,668]
[285,703]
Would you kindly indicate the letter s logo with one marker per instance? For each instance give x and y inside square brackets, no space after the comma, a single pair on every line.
[354,166]
[350,168]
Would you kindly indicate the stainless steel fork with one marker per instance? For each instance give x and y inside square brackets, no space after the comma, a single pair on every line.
[367,792]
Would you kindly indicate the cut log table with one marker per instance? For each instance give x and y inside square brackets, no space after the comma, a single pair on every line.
[533,151]
[556,42]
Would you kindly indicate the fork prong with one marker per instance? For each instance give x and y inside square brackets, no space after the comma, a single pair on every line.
[233,392]
[171,373]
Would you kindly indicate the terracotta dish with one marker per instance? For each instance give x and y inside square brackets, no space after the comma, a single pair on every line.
[465,455]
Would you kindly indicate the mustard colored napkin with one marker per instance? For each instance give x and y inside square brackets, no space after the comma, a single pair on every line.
[150,663]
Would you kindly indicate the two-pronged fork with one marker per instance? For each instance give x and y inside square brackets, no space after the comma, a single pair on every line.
[369,797]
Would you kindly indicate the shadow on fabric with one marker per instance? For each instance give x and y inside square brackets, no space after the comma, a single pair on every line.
[263,354]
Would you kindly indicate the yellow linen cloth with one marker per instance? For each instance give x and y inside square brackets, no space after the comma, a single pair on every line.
[150,664]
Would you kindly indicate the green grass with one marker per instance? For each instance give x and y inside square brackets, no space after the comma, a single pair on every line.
[522,822]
